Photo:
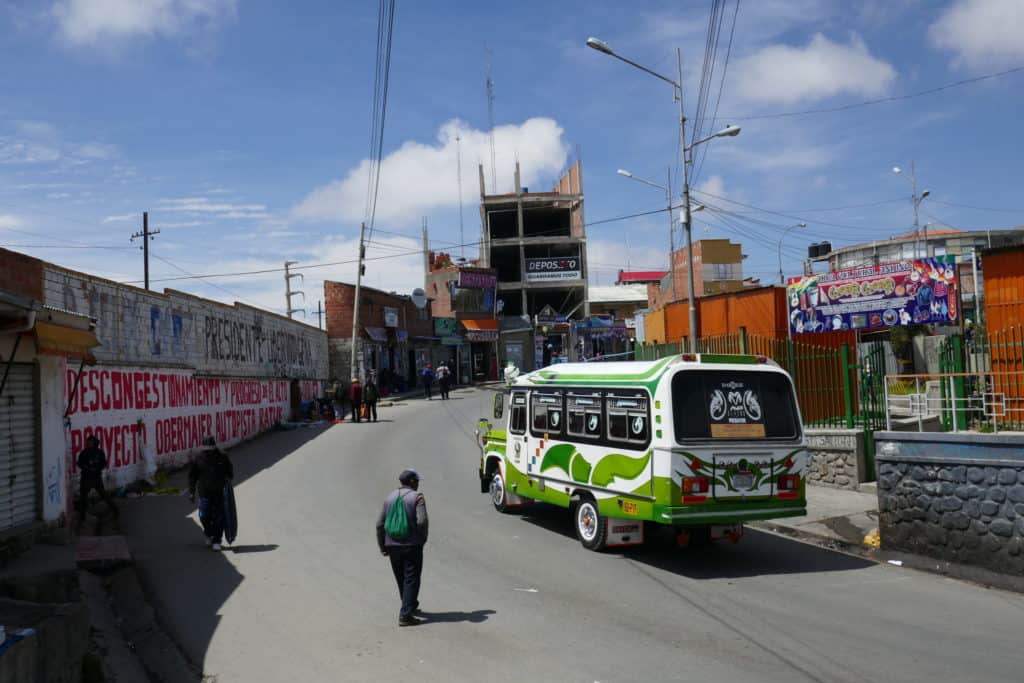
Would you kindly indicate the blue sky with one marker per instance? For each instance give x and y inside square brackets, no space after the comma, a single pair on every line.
[243,127]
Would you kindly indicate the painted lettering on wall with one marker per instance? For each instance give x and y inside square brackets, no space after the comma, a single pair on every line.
[234,340]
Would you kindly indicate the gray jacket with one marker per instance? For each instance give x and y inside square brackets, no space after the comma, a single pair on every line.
[415,508]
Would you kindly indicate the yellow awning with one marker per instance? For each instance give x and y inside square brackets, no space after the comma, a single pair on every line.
[57,340]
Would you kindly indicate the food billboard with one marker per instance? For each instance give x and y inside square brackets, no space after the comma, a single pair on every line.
[922,291]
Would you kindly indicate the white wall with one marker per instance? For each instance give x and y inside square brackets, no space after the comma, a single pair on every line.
[172,328]
[53,445]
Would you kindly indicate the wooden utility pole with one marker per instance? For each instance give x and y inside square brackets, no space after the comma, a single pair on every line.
[146,236]
[355,306]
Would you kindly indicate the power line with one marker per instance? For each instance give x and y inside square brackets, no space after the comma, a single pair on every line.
[976,208]
[880,100]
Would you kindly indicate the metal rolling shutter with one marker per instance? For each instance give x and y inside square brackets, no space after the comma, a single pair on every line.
[19,429]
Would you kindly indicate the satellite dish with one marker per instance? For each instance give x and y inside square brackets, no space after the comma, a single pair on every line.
[419,298]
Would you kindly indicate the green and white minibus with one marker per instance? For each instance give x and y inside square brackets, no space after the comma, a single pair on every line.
[698,443]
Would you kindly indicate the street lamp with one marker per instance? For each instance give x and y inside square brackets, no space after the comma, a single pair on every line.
[667,189]
[916,199]
[728,131]
[784,233]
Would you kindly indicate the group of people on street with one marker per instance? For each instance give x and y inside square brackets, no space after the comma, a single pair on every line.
[443,375]
[361,398]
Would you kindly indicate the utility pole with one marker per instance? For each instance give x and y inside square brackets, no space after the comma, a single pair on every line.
[146,236]
[688,221]
[355,306]
[462,235]
[671,235]
[319,315]
[490,121]
[426,249]
[288,293]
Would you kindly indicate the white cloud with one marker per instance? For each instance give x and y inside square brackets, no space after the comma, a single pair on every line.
[714,185]
[417,177]
[90,23]
[784,75]
[204,205]
[981,33]
[9,222]
[122,218]
[605,258]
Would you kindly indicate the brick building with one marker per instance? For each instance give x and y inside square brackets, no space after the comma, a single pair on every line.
[717,268]
[395,339]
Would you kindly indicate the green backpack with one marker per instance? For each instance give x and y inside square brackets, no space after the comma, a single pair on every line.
[396,524]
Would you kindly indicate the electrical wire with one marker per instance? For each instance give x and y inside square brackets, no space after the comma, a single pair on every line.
[880,100]
[721,88]
[214,285]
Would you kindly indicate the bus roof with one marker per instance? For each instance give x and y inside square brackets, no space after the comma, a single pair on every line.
[635,371]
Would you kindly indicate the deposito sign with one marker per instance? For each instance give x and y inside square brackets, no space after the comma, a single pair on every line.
[922,291]
[539,269]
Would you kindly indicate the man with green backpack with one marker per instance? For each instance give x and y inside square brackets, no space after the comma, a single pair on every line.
[401,534]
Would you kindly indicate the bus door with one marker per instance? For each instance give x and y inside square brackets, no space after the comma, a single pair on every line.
[516,449]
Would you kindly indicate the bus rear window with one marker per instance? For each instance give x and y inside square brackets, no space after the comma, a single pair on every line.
[733,404]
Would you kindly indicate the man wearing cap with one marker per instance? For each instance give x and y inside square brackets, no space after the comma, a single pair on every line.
[406,554]
[208,474]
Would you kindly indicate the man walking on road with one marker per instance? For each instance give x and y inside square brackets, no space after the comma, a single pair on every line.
[209,472]
[405,552]
[444,380]
[371,394]
[91,463]
[355,397]
[428,379]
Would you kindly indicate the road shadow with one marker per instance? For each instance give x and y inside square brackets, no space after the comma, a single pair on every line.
[758,553]
[171,558]
[258,548]
[475,617]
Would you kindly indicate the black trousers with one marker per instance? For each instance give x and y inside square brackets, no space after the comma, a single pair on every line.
[427,386]
[444,384]
[407,564]
[88,483]
[371,411]
[355,411]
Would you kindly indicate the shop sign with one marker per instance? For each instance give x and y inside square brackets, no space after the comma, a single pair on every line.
[473,280]
[544,269]
[451,341]
[914,292]
[482,335]
[390,317]
[444,327]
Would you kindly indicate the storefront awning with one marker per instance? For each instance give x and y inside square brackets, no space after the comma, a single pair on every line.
[377,334]
[485,324]
[70,342]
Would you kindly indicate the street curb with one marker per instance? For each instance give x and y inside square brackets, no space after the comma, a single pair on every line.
[976,575]
[159,654]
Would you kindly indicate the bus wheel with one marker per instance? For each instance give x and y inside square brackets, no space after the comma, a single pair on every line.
[591,527]
[498,496]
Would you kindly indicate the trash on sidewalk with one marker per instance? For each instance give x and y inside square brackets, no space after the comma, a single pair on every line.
[873,540]
[896,563]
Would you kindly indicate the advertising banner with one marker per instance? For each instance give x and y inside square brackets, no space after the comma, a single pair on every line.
[922,291]
[390,317]
[541,269]
[444,327]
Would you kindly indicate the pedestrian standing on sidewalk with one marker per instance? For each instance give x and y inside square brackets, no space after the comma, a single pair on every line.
[91,463]
[371,394]
[339,395]
[210,471]
[355,397]
[406,551]
[444,380]
[428,379]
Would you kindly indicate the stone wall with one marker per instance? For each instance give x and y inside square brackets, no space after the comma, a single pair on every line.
[836,457]
[957,497]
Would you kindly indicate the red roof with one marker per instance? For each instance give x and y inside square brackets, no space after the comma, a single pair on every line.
[641,275]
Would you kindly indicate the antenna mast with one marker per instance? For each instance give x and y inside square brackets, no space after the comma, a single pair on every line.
[462,236]
[490,121]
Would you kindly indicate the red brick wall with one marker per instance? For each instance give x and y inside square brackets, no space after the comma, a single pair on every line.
[338,302]
[21,274]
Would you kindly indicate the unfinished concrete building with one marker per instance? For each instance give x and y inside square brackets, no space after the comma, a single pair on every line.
[537,243]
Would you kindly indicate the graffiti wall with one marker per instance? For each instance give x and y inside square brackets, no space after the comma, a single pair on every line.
[172,328]
[146,418]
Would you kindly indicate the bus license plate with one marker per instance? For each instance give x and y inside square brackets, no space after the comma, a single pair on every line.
[629,508]
[743,481]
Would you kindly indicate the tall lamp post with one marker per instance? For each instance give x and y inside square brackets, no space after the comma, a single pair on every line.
[728,131]
[784,233]
[667,189]
[916,199]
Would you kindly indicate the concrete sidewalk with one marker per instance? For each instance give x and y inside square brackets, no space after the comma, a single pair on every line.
[837,518]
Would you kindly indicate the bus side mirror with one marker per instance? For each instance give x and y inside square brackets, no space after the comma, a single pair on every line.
[499,405]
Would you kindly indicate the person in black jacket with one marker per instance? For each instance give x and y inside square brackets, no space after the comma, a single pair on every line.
[406,554]
[210,471]
[91,463]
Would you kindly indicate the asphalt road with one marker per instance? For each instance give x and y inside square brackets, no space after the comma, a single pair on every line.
[306,596]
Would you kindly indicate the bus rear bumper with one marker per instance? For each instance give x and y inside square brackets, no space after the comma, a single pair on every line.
[691,516]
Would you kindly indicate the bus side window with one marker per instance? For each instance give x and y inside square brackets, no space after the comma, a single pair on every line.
[517,414]
[585,419]
[546,410]
[628,419]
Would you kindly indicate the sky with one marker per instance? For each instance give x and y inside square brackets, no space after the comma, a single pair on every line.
[244,128]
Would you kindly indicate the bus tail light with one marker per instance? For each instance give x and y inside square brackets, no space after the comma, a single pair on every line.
[762,359]
[695,489]
[690,357]
[789,485]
